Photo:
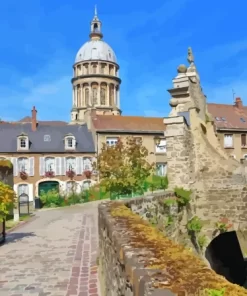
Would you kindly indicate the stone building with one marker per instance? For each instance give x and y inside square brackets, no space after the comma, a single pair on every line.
[231,126]
[46,154]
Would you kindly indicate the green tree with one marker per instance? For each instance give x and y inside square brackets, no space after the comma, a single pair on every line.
[123,168]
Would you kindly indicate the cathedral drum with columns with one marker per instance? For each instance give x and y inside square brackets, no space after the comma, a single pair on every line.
[96,82]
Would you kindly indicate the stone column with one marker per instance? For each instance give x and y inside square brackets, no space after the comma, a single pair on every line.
[81,103]
[107,95]
[115,95]
[118,97]
[90,95]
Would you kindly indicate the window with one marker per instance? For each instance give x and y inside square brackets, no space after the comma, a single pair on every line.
[94,69]
[87,164]
[111,141]
[102,69]
[22,143]
[161,147]
[228,141]
[70,142]
[70,163]
[86,185]
[23,189]
[50,164]
[242,119]
[161,169]
[70,187]
[23,164]
[223,118]
[47,138]
[243,140]
[217,118]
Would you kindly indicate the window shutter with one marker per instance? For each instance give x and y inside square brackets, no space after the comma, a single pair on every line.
[31,166]
[63,166]
[16,189]
[58,166]
[41,166]
[30,192]
[74,142]
[15,166]
[79,165]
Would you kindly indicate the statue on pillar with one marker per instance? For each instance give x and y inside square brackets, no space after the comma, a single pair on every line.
[190,57]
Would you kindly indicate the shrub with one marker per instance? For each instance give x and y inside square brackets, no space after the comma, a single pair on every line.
[51,198]
[194,225]
[182,195]
[7,199]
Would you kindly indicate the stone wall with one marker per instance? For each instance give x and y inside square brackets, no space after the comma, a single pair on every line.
[197,161]
[135,259]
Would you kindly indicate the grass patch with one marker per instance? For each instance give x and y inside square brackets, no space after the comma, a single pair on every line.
[10,223]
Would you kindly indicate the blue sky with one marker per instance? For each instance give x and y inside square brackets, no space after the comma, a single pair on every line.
[39,41]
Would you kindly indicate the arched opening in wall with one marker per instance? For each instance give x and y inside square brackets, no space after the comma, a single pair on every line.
[79,70]
[111,95]
[204,129]
[94,68]
[47,186]
[225,257]
[103,94]
[94,93]
[102,68]
[95,27]
[111,70]
[86,68]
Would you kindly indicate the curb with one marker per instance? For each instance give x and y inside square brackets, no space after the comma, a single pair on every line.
[21,223]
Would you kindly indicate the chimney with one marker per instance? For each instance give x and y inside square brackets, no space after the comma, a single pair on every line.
[238,103]
[34,119]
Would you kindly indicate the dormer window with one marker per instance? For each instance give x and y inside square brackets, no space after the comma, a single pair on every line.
[70,143]
[22,142]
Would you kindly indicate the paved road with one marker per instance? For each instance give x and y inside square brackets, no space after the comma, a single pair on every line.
[53,255]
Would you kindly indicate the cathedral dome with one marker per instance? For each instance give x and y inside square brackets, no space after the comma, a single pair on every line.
[96,50]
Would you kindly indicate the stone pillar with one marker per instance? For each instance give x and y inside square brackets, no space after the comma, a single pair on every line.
[115,96]
[81,95]
[90,95]
[107,95]
[178,150]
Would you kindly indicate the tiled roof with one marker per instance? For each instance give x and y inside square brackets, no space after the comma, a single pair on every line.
[128,123]
[228,116]
[28,119]
[9,132]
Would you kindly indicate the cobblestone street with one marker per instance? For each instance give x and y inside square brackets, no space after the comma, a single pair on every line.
[55,254]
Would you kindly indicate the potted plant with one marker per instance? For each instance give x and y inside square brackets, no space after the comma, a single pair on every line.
[23,175]
[88,174]
[49,174]
[70,173]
